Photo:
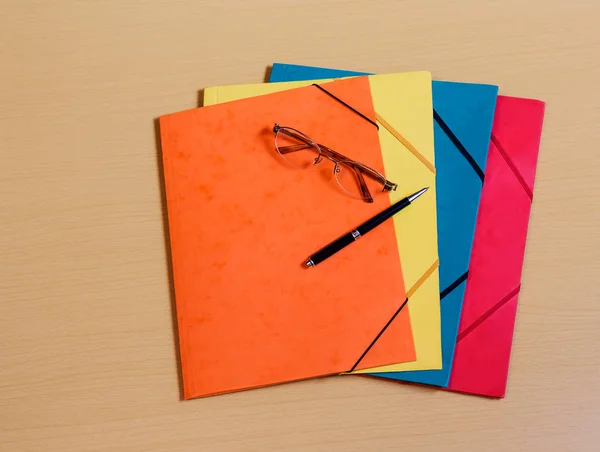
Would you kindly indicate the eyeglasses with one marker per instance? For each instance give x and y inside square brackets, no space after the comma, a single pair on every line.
[301,151]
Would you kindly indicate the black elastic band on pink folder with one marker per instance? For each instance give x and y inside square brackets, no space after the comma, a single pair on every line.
[346,105]
[458,144]
[379,335]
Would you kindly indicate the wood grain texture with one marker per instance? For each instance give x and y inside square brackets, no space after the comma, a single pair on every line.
[87,350]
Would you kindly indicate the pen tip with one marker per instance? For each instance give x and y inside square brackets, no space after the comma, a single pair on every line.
[414,196]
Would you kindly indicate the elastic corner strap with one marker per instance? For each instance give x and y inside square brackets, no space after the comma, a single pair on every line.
[512,166]
[448,290]
[487,314]
[347,105]
[410,292]
[458,144]
[407,144]
[379,335]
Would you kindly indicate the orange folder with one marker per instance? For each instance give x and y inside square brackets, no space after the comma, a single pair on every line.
[241,224]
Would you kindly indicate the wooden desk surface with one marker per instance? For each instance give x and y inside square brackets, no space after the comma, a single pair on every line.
[87,355]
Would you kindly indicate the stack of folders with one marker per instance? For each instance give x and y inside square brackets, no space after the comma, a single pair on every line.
[299,252]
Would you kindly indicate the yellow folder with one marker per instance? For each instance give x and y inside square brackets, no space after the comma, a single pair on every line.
[404,112]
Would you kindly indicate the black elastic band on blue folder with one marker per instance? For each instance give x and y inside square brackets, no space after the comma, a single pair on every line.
[379,335]
[462,278]
[346,105]
[458,144]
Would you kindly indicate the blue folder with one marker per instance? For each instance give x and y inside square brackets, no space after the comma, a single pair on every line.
[463,116]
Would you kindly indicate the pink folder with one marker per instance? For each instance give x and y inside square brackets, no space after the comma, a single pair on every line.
[486,328]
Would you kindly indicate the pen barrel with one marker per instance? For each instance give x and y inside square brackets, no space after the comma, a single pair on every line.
[332,248]
[346,239]
[383,216]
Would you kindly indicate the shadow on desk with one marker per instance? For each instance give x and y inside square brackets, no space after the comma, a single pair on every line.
[165,220]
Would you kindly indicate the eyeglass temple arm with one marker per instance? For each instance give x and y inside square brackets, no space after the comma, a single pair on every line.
[298,147]
[366,195]
[337,157]
[360,168]
[364,190]
[293,148]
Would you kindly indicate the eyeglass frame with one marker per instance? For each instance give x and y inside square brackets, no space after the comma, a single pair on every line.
[337,159]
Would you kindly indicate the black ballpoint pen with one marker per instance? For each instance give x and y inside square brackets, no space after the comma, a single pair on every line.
[347,239]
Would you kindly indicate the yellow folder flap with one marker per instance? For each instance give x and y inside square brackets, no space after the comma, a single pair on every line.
[404,110]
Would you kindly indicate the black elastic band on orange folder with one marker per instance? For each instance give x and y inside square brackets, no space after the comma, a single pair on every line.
[512,167]
[458,144]
[487,314]
[379,335]
[346,105]
[462,278]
